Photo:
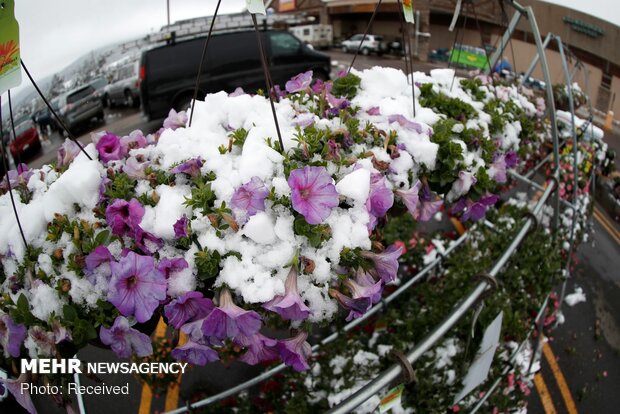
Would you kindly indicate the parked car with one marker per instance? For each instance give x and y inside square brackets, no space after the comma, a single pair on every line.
[372,44]
[26,140]
[168,73]
[99,84]
[124,89]
[79,106]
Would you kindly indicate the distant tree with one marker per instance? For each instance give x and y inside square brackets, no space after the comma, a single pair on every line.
[56,86]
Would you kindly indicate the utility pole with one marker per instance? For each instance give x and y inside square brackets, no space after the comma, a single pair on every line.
[168,11]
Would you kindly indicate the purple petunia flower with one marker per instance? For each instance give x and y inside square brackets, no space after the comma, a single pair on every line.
[361,297]
[229,320]
[195,353]
[169,266]
[430,204]
[319,85]
[188,308]
[299,83]
[125,340]
[237,92]
[250,197]
[462,185]
[512,159]
[20,392]
[375,110]
[421,203]
[181,227]
[304,120]
[12,336]
[147,242]
[338,103]
[190,167]
[17,177]
[295,351]
[110,148]
[124,217]
[386,263]
[380,199]
[313,193]
[259,348]
[134,168]
[97,257]
[175,120]
[66,153]
[289,306]
[497,169]
[411,198]
[44,340]
[474,210]
[135,139]
[136,286]
[365,279]
[333,150]
[404,122]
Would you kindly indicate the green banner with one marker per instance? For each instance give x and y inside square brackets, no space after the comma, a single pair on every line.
[10,72]
[469,56]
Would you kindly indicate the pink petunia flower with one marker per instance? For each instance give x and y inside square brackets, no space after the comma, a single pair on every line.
[299,83]
[313,193]
[250,197]
[110,148]
[175,120]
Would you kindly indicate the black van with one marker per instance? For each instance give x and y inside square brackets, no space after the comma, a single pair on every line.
[168,73]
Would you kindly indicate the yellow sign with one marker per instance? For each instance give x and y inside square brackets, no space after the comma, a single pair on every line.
[408,11]
[286,5]
[10,71]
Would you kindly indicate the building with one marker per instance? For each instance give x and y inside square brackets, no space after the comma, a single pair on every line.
[591,40]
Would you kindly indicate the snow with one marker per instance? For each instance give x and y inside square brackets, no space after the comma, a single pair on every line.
[160,219]
[260,228]
[355,185]
[44,301]
[576,297]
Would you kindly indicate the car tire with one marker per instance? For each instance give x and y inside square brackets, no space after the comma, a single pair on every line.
[130,101]
[365,51]
[345,49]
[101,116]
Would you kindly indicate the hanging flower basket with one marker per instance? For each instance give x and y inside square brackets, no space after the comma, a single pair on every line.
[223,232]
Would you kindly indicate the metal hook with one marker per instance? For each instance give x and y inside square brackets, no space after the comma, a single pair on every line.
[408,373]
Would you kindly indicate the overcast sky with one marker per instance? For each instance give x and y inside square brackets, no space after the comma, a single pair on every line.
[55,33]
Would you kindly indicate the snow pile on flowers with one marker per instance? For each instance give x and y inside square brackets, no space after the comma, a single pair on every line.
[222,230]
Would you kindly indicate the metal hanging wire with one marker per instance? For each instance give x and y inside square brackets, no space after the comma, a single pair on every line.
[458,56]
[19,157]
[202,59]
[8,181]
[268,80]
[359,47]
[58,119]
[406,44]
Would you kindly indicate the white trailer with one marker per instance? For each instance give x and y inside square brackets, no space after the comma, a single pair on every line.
[318,35]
